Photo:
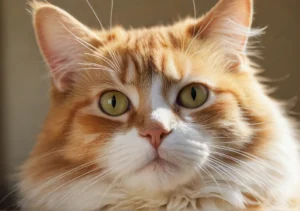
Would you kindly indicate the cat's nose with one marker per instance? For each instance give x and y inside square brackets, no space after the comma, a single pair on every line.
[155,135]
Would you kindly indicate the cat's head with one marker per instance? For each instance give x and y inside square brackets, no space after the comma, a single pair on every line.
[149,108]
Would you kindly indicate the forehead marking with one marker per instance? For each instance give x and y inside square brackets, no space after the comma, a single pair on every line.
[170,68]
[130,70]
[160,111]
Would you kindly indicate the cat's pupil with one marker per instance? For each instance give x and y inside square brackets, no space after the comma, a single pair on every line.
[193,93]
[114,101]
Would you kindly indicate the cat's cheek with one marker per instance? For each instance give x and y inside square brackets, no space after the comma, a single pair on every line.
[187,151]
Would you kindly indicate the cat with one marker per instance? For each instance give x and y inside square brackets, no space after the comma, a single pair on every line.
[165,118]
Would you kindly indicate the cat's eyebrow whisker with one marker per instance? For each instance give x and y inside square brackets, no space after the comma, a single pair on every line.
[200,30]
[88,44]
[111,12]
[95,53]
[108,61]
[98,19]
[109,51]
[93,49]
[195,15]
[93,66]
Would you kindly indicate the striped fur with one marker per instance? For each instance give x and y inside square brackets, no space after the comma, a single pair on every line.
[238,151]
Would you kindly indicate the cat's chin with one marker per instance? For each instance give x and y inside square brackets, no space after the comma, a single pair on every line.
[158,175]
[158,165]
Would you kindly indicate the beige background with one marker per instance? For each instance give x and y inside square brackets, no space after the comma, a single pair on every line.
[24,80]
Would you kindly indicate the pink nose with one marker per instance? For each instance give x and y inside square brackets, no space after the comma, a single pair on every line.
[155,135]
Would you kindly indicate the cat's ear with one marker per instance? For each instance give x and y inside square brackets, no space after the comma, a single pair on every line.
[229,23]
[63,41]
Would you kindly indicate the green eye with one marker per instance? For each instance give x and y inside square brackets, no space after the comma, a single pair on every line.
[192,96]
[114,103]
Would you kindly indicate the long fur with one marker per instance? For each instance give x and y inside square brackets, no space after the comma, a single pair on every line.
[237,151]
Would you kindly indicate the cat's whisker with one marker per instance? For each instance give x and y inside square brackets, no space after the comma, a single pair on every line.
[213,178]
[245,164]
[103,176]
[251,191]
[236,170]
[98,19]
[95,68]
[195,15]
[14,190]
[236,179]
[111,12]
[91,66]
[234,151]
[249,156]
[95,52]
[198,171]
[108,61]
[60,176]
[111,185]
[70,149]
[68,182]
[201,29]
[84,186]
[217,171]
[57,151]
[88,184]
[93,47]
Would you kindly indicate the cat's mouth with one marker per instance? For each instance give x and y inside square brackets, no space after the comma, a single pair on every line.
[158,164]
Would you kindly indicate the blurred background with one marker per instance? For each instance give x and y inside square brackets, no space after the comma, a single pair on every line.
[24,79]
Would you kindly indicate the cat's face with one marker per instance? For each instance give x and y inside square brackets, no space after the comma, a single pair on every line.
[150,108]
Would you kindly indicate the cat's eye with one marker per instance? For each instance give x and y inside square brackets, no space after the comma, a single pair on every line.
[192,96]
[114,103]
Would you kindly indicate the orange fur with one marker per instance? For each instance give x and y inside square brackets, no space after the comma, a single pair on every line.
[74,134]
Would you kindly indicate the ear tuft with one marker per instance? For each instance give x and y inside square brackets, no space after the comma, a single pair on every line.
[34,4]
[63,41]
[229,24]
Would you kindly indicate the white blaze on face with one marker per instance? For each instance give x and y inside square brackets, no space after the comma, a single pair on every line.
[161,112]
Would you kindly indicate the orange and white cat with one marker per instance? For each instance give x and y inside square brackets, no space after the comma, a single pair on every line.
[166,118]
